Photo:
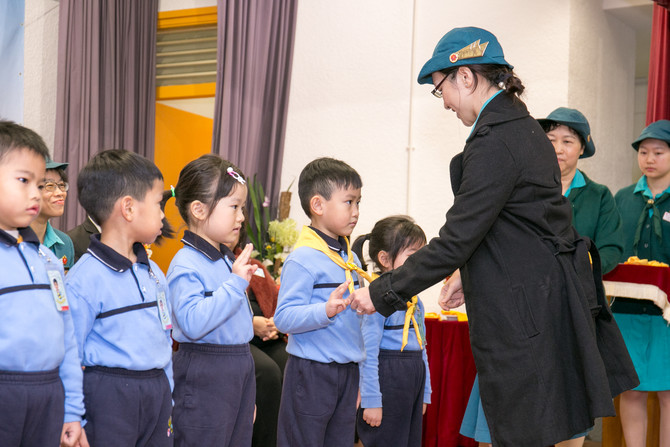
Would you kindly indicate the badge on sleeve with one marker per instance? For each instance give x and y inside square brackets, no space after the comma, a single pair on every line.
[163,312]
[57,288]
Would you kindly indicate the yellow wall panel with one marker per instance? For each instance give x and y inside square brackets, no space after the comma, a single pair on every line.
[180,137]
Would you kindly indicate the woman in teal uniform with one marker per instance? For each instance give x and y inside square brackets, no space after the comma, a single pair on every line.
[594,211]
[54,193]
[645,210]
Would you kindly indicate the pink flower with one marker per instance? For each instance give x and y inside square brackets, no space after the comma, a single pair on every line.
[266,203]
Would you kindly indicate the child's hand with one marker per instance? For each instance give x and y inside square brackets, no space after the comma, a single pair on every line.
[241,266]
[335,303]
[451,295]
[265,329]
[373,416]
[72,435]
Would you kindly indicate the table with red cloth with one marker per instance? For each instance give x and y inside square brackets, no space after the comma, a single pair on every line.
[640,282]
[452,373]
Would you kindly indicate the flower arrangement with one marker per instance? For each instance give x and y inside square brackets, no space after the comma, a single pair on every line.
[272,240]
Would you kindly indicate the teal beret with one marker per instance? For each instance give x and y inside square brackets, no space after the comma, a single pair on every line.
[463,46]
[55,165]
[659,130]
[575,120]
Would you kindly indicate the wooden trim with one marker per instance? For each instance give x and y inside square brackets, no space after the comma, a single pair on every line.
[187,91]
[187,17]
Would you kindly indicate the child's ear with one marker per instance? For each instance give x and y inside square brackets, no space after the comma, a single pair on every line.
[384,260]
[316,205]
[127,205]
[198,210]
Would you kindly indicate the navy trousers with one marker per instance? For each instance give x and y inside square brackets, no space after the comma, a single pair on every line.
[318,405]
[402,376]
[214,395]
[129,408]
[32,408]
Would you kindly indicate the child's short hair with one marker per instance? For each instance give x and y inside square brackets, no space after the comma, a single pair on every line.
[207,179]
[15,137]
[322,176]
[110,175]
[392,234]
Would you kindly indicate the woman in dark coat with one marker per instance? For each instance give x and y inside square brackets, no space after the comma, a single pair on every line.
[549,355]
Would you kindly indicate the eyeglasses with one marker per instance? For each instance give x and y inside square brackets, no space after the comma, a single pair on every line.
[436,92]
[51,186]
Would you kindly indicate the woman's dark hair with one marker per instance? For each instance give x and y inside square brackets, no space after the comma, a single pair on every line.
[499,75]
[62,173]
[548,126]
[205,179]
[392,234]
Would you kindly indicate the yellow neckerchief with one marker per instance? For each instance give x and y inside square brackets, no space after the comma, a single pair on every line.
[309,238]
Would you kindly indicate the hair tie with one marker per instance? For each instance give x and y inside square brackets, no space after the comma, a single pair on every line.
[231,172]
[174,194]
[503,78]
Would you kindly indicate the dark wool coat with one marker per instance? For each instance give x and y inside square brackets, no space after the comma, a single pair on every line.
[549,354]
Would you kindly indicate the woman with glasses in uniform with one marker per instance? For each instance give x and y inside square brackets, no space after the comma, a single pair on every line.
[534,301]
[54,193]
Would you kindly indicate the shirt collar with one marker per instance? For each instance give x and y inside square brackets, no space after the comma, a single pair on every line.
[483,106]
[198,243]
[338,245]
[51,238]
[27,234]
[113,259]
[577,182]
[643,187]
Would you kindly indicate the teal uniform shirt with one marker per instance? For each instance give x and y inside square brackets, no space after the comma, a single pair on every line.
[596,216]
[632,201]
[60,244]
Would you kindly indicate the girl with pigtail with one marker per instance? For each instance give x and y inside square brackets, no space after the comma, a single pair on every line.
[394,377]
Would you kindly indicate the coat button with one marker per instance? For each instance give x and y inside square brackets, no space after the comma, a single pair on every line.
[646,245]
[647,226]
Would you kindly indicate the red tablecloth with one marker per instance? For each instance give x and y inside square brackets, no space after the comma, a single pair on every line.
[452,373]
[641,274]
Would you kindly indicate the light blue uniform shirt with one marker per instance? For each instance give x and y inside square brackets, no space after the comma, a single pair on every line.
[308,277]
[381,332]
[209,302]
[115,309]
[34,335]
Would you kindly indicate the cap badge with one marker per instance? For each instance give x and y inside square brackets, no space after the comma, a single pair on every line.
[475,49]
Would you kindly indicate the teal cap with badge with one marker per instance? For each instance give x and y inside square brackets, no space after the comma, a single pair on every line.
[575,120]
[463,46]
[658,130]
[55,165]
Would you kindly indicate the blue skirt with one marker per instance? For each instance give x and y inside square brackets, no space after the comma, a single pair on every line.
[474,423]
[647,339]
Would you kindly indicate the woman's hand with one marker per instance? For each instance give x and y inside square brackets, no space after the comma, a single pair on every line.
[265,329]
[361,301]
[373,416]
[241,266]
[451,295]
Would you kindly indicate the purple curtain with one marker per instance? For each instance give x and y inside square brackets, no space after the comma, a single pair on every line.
[254,54]
[106,84]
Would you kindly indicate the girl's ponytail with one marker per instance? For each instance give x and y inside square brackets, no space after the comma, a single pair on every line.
[357,247]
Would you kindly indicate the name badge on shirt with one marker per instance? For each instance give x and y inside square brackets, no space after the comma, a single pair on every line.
[666,216]
[57,288]
[162,308]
